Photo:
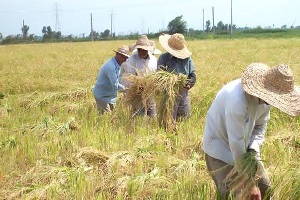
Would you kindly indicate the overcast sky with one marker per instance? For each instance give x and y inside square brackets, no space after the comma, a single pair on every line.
[73,16]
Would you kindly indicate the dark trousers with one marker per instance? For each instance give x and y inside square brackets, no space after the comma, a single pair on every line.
[182,105]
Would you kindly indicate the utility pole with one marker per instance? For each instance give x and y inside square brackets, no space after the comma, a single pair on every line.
[57,25]
[23,34]
[213,14]
[203,20]
[92,31]
[231,19]
[111,23]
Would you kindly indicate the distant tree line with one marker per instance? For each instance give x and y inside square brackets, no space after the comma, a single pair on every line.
[177,25]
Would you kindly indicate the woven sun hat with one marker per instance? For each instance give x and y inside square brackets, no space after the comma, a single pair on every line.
[273,85]
[131,47]
[143,43]
[155,51]
[124,50]
[175,45]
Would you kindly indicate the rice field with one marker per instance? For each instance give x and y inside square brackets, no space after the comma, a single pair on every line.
[53,145]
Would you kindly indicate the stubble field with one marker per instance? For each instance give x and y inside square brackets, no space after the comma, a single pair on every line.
[54,146]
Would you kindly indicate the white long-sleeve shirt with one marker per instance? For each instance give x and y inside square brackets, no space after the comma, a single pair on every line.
[235,121]
[137,66]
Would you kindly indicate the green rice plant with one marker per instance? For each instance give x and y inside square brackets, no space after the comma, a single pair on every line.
[42,99]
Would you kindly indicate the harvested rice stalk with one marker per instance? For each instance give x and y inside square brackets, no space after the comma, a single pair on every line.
[244,175]
[164,85]
[134,95]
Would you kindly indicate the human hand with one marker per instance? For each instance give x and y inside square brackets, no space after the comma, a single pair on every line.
[255,193]
[187,86]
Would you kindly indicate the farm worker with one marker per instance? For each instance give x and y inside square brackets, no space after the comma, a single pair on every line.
[107,83]
[140,63]
[178,60]
[236,123]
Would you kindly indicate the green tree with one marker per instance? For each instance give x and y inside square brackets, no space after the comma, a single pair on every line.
[94,35]
[57,35]
[207,26]
[47,32]
[220,25]
[25,30]
[105,34]
[177,25]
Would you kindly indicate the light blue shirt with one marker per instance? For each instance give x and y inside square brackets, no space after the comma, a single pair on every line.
[235,121]
[107,83]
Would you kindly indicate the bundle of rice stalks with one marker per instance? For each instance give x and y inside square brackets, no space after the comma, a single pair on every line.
[244,176]
[135,96]
[164,85]
[89,156]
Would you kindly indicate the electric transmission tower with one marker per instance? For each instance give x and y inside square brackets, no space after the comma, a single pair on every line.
[57,25]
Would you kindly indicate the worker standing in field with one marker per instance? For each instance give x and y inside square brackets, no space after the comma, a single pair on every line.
[140,63]
[178,60]
[107,83]
[236,124]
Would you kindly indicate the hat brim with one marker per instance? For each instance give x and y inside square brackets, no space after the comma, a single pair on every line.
[182,53]
[253,83]
[147,48]
[124,54]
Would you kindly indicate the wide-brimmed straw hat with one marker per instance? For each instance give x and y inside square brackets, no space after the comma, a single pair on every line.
[142,43]
[153,50]
[273,85]
[124,50]
[175,45]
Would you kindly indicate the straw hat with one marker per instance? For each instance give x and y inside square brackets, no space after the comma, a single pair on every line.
[124,50]
[155,51]
[273,85]
[142,43]
[175,45]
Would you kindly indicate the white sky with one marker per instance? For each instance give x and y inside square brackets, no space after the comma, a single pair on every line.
[140,16]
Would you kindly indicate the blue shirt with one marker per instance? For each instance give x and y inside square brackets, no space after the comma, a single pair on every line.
[176,65]
[107,83]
